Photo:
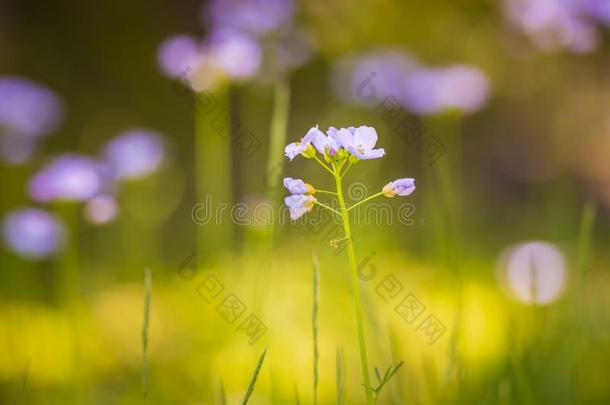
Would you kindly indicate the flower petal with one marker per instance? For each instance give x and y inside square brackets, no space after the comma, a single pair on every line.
[365,137]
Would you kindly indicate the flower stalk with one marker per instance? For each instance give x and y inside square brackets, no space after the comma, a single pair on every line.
[355,288]
[340,149]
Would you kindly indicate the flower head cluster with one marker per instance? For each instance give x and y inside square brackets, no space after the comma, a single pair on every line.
[340,148]
[337,144]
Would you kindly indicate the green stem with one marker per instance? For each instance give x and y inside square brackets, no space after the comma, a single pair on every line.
[356,289]
[325,192]
[349,166]
[328,208]
[324,165]
[365,200]
[213,169]
[279,123]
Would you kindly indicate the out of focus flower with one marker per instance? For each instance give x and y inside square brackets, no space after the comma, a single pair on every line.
[69,177]
[101,209]
[390,73]
[178,55]
[237,55]
[372,76]
[28,111]
[401,187]
[17,149]
[298,186]
[299,205]
[535,272]
[433,90]
[33,233]
[595,9]
[250,16]
[557,24]
[135,153]
[28,108]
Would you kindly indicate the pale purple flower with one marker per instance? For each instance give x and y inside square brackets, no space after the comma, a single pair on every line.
[401,187]
[101,209]
[296,148]
[69,177]
[33,233]
[251,16]
[237,55]
[135,153]
[362,143]
[329,142]
[434,90]
[299,205]
[179,55]
[27,108]
[298,186]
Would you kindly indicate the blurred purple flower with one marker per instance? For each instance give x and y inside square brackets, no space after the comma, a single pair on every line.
[237,55]
[69,177]
[372,76]
[27,108]
[251,16]
[596,9]
[101,209]
[433,90]
[179,55]
[135,153]
[299,205]
[17,149]
[33,233]
[556,24]
[401,187]
[298,186]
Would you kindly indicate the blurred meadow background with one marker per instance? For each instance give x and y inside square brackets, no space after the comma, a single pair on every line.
[151,135]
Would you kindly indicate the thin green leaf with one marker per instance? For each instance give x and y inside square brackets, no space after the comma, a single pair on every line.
[145,332]
[26,373]
[259,364]
[222,396]
[340,364]
[296,395]
[314,324]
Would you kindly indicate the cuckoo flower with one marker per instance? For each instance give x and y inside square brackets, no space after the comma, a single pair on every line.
[299,204]
[341,148]
[298,186]
[401,187]
[362,143]
[296,148]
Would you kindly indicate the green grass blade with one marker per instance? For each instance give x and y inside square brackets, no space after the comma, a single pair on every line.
[297,400]
[259,364]
[314,324]
[145,332]
[340,364]
[26,373]
[222,396]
